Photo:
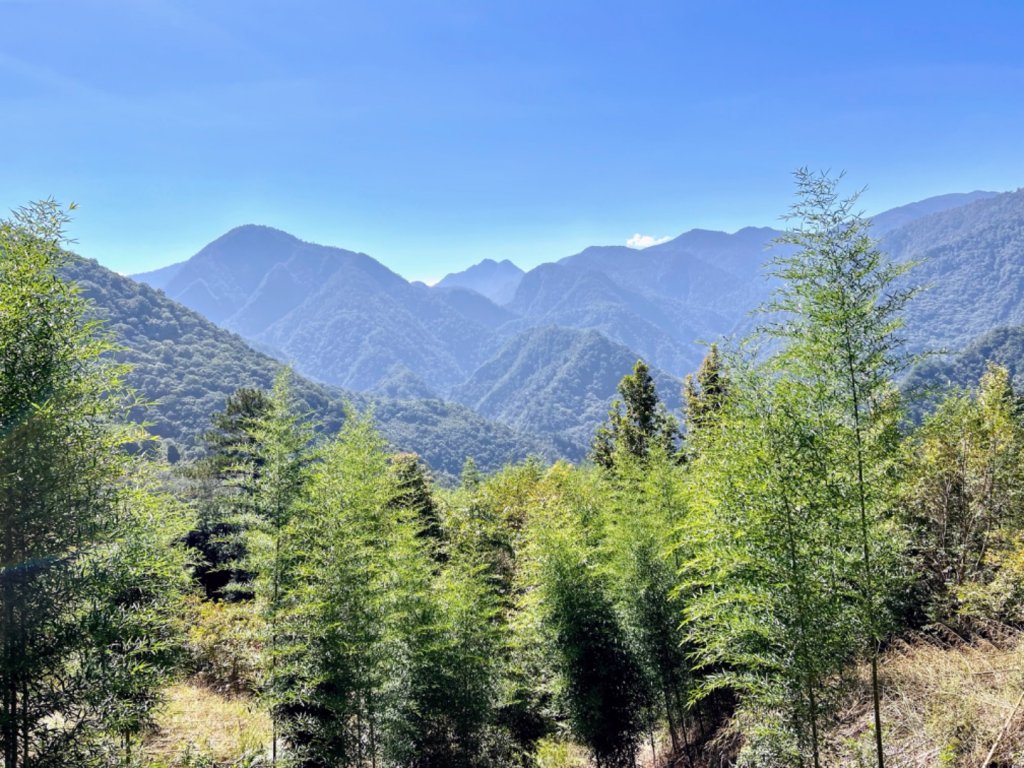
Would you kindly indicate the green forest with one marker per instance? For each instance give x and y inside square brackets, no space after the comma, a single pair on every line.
[804,566]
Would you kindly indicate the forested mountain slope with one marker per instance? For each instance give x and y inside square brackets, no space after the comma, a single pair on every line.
[340,316]
[971,260]
[558,381]
[1003,346]
[343,318]
[186,367]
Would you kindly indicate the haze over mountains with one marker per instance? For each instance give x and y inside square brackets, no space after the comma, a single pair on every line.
[184,368]
[504,342]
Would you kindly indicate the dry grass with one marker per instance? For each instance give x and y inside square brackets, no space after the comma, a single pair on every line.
[947,701]
[198,719]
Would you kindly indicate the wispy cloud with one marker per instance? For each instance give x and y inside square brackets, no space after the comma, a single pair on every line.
[639,241]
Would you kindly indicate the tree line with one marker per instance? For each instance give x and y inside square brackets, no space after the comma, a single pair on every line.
[729,577]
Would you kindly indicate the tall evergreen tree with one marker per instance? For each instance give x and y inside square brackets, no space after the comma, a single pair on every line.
[705,393]
[413,482]
[224,481]
[636,422]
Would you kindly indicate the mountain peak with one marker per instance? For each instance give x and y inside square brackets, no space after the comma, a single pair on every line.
[495,280]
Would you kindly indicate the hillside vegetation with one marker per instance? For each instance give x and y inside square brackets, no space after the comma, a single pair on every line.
[342,318]
[184,368]
[794,574]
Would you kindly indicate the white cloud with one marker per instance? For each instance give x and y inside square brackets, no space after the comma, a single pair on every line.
[639,241]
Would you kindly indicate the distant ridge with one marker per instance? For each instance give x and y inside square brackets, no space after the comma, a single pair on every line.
[497,280]
[186,367]
[491,333]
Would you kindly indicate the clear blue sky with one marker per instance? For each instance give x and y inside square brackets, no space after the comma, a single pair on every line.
[433,134]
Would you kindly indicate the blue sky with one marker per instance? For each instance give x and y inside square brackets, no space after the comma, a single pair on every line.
[434,134]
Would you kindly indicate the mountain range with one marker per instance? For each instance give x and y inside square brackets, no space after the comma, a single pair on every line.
[541,351]
[184,367]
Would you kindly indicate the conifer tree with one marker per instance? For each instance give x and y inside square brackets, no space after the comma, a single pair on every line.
[704,394]
[224,479]
[635,423]
[413,482]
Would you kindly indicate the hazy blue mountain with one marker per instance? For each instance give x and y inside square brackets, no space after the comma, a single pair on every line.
[663,301]
[475,306]
[497,280]
[337,315]
[345,319]
[186,367]
[905,214]
[572,297]
[158,278]
[556,381]
[688,267]
[971,259]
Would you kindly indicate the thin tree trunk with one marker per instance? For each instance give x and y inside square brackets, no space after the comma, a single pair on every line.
[814,724]
[866,544]
[671,722]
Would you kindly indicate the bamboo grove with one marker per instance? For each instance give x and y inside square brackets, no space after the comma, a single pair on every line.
[721,583]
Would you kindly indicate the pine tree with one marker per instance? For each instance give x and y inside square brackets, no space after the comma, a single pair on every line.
[413,482]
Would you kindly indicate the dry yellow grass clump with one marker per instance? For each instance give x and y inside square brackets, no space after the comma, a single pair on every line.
[198,720]
[950,699]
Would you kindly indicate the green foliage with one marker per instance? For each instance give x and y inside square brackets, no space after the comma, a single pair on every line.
[964,502]
[133,624]
[383,655]
[224,481]
[839,311]
[771,613]
[223,645]
[705,393]
[89,576]
[599,679]
[637,423]
[413,484]
[644,508]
